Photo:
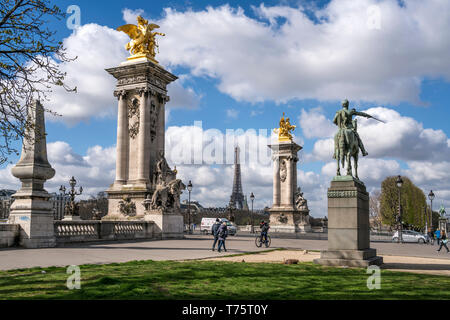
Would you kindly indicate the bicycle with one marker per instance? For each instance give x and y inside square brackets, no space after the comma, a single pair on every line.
[259,242]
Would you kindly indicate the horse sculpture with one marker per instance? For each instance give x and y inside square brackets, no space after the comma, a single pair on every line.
[348,148]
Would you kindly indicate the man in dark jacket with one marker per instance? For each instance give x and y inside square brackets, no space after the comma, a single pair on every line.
[223,233]
[215,232]
[264,230]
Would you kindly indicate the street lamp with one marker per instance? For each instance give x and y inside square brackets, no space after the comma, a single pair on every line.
[189,187]
[431,197]
[426,219]
[399,186]
[252,197]
[72,208]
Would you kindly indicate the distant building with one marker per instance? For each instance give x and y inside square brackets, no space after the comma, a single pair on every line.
[5,202]
[196,207]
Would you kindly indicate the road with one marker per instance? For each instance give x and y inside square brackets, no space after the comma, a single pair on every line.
[193,247]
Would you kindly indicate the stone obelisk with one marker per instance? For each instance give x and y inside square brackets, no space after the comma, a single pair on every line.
[31,208]
[289,213]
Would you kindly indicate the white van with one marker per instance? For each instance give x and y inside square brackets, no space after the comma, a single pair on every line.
[207,223]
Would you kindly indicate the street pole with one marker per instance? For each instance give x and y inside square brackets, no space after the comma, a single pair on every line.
[189,213]
[400,234]
[189,187]
[399,183]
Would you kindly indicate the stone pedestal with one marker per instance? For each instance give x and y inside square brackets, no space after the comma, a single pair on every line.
[443,224]
[31,208]
[168,224]
[348,226]
[286,215]
[142,94]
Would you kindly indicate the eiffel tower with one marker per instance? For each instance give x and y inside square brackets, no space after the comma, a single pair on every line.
[237,196]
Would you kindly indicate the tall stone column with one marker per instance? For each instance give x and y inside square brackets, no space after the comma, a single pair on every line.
[276,181]
[285,217]
[289,194]
[142,92]
[161,134]
[144,122]
[122,138]
[31,208]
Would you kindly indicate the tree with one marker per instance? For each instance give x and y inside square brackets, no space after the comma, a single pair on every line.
[375,209]
[413,203]
[29,57]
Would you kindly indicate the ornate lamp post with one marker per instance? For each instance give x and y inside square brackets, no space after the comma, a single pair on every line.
[426,219]
[189,187]
[252,197]
[431,197]
[71,209]
[399,183]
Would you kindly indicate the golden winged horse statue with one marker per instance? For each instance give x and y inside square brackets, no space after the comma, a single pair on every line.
[143,39]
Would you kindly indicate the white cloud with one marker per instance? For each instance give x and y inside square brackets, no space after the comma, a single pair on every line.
[268,58]
[400,137]
[130,16]
[98,48]
[182,97]
[232,113]
[94,171]
[314,124]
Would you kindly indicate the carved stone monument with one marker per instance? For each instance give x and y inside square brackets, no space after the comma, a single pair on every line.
[32,209]
[348,203]
[289,213]
[142,172]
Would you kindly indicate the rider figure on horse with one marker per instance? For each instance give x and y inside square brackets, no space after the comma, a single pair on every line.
[347,126]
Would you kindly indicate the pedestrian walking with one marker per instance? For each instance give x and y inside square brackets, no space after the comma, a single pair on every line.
[223,233]
[443,242]
[437,233]
[215,232]
[431,236]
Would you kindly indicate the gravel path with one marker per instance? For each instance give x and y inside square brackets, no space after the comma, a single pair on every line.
[393,263]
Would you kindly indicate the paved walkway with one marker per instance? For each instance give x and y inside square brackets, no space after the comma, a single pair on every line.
[193,247]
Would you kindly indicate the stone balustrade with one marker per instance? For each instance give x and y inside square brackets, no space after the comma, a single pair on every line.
[85,231]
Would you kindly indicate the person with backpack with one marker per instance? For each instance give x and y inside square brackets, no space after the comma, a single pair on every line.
[437,233]
[215,232]
[223,233]
[443,242]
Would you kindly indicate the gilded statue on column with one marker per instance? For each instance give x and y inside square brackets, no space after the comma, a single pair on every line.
[285,129]
[143,42]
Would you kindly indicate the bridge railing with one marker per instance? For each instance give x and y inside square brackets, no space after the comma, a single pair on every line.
[84,231]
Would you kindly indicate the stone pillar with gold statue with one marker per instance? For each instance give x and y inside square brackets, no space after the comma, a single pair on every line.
[289,213]
[145,187]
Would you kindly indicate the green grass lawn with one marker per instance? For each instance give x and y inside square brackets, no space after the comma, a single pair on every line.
[218,280]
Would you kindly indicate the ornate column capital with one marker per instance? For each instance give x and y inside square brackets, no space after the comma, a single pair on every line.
[120,94]
[143,91]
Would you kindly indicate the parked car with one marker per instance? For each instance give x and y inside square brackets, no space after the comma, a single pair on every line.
[206,225]
[411,236]
[230,226]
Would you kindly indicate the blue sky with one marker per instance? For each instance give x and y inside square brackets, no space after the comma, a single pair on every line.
[298,57]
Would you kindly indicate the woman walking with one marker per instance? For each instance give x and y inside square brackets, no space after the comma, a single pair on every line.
[223,233]
[443,241]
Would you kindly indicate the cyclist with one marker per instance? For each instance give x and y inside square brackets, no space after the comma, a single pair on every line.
[264,226]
